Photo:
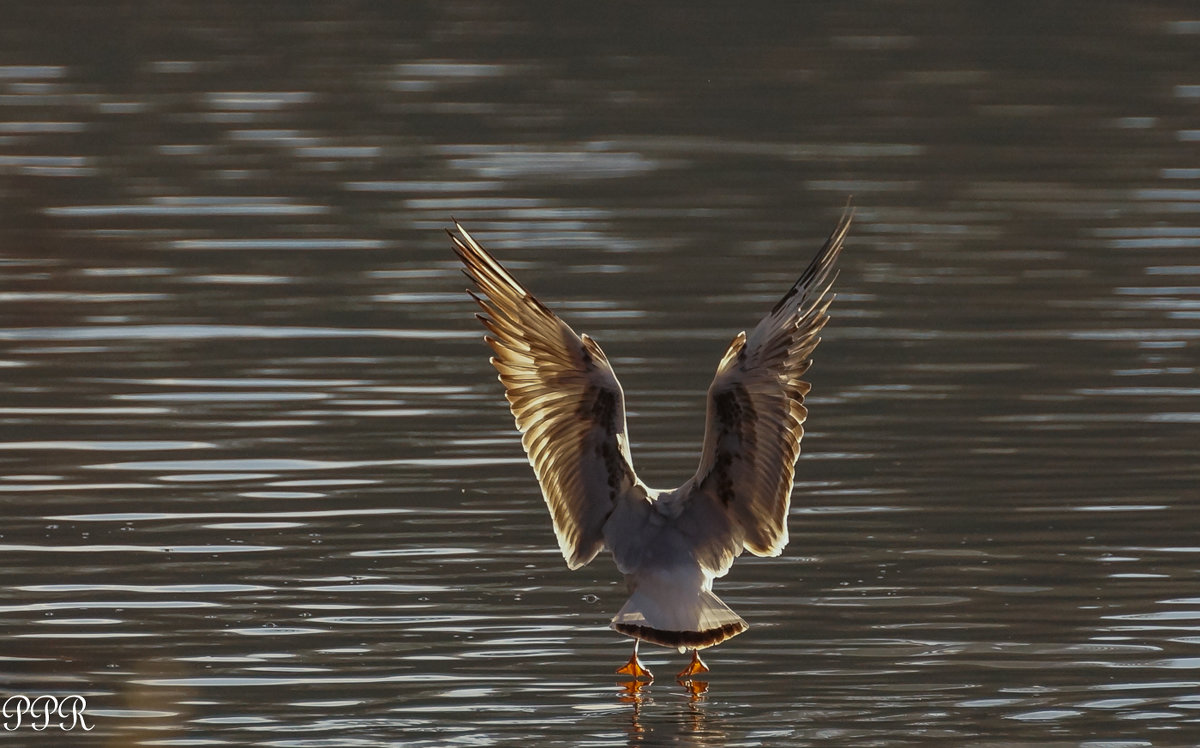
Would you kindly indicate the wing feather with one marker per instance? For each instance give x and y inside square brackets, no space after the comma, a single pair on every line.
[756,410]
[565,399]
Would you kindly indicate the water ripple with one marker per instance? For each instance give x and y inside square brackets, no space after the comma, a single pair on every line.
[217,332]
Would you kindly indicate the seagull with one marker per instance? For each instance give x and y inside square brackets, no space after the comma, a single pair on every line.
[670,545]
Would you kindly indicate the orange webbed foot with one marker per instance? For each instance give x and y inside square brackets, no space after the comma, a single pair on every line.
[696,666]
[635,668]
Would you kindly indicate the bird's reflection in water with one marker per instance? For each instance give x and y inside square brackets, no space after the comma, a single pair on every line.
[633,692]
[690,726]
[695,689]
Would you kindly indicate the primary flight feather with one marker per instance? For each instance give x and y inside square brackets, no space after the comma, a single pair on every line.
[670,545]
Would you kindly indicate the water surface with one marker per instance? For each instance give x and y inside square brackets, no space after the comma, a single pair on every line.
[259,482]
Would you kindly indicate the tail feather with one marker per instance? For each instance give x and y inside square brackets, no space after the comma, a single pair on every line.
[673,617]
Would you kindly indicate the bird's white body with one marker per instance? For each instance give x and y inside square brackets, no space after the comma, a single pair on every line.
[654,542]
[670,545]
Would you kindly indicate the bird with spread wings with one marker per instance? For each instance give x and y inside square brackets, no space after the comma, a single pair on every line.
[670,545]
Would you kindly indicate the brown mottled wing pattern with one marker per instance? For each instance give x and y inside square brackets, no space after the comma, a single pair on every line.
[566,402]
[756,408]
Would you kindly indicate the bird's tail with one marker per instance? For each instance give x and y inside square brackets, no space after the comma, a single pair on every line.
[675,616]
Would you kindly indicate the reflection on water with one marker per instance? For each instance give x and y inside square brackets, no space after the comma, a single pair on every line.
[260,486]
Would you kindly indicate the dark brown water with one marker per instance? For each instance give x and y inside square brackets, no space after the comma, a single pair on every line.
[258,481]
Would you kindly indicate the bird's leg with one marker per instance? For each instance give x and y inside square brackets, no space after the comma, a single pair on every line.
[634,667]
[697,666]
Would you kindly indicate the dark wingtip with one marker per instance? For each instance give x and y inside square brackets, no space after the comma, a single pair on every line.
[823,262]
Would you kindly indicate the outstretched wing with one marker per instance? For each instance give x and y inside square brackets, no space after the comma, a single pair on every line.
[566,401]
[756,410]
